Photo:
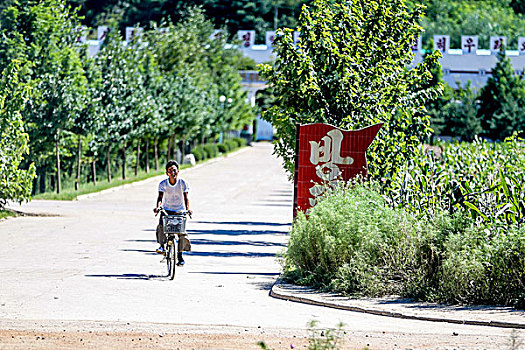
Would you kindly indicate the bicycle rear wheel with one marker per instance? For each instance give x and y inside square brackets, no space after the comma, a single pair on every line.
[170,258]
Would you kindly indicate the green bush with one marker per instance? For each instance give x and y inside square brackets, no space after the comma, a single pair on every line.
[354,243]
[239,141]
[223,148]
[232,145]
[211,150]
[199,153]
[484,269]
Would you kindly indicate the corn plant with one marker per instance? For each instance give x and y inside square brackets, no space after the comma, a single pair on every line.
[480,178]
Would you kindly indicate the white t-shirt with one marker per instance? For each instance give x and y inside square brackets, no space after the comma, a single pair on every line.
[173,198]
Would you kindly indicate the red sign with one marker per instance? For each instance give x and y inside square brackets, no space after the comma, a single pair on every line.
[325,154]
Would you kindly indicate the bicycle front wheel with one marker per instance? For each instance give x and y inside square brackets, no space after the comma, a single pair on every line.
[170,258]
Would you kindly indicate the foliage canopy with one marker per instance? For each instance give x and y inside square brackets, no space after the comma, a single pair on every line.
[15,183]
[502,101]
[350,69]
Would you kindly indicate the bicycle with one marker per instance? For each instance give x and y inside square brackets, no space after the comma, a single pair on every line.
[173,224]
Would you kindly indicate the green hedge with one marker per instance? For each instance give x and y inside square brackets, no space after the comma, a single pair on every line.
[239,141]
[231,144]
[212,150]
[199,153]
[223,148]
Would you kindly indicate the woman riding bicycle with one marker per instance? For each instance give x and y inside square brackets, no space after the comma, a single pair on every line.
[173,197]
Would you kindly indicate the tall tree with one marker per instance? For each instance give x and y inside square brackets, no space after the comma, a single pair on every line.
[502,101]
[15,183]
[41,34]
[199,70]
[119,96]
[350,70]
[436,107]
[480,17]
[462,113]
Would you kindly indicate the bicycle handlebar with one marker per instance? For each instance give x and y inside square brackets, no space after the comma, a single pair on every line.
[183,212]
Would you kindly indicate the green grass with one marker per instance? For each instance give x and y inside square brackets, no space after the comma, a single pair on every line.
[6,213]
[68,193]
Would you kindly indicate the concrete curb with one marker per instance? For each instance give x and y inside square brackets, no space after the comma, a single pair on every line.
[305,295]
[156,178]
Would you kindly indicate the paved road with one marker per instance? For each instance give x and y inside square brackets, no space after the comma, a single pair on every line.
[95,260]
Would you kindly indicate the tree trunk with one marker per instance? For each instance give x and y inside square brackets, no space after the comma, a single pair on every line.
[174,150]
[42,177]
[124,165]
[156,148]
[138,158]
[275,17]
[108,166]
[94,171]
[77,182]
[183,149]
[58,159]
[147,155]
[168,155]
[33,189]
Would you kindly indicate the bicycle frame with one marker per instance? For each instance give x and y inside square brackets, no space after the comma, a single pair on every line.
[173,224]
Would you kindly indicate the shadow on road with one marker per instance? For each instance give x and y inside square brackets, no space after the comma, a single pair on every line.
[231,254]
[290,202]
[200,241]
[131,276]
[209,254]
[236,232]
[249,223]
[288,192]
[265,285]
[148,252]
[213,242]
[141,240]
[237,273]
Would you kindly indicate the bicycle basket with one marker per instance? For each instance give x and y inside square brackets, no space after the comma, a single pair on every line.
[174,224]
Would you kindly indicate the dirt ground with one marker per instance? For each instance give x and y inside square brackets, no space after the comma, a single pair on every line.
[239,338]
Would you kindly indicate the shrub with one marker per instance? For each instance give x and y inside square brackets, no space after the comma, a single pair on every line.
[354,243]
[484,269]
[199,153]
[239,141]
[223,147]
[211,150]
[232,145]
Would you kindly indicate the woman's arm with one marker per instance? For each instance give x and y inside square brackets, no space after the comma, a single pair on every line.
[159,202]
[187,203]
